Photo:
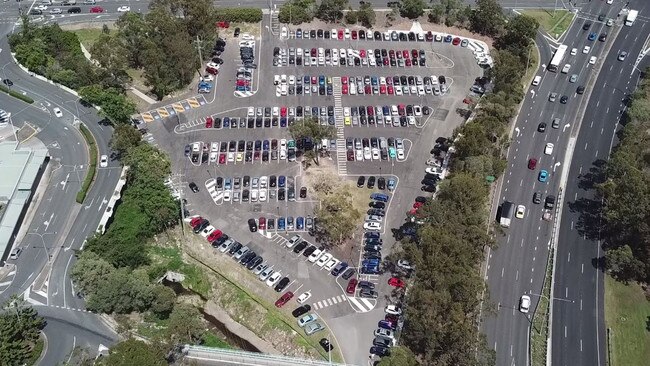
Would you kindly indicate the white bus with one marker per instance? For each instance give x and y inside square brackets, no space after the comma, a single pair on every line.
[557,58]
[631,17]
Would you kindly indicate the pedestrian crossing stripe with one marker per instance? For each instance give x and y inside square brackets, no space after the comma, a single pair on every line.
[147,117]
[193,103]
[178,107]
[163,112]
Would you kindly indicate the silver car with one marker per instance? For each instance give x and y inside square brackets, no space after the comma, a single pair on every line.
[312,328]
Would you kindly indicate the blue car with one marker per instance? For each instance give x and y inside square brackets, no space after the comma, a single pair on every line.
[372,235]
[543,176]
[281,223]
[282,180]
[592,36]
[321,80]
[448,38]
[289,222]
[226,121]
[305,80]
[227,184]
[300,223]
[283,122]
[379,197]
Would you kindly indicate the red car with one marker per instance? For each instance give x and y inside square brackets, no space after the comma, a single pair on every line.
[532,164]
[382,89]
[417,204]
[340,34]
[407,62]
[195,221]
[208,122]
[368,89]
[386,61]
[314,52]
[350,155]
[354,34]
[284,299]
[391,91]
[211,70]
[401,109]
[214,235]
[371,110]
[283,111]
[396,282]
[414,53]
[456,41]
[261,223]
[222,158]
[344,89]
[391,53]
[223,24]
[405,54]
[362,53]
[96,9]
[352,286]
[391,318]
[344,80]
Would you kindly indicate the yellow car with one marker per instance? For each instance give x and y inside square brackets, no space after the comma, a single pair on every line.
[240,157]
[348,121]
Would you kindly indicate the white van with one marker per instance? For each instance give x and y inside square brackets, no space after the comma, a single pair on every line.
[537,80]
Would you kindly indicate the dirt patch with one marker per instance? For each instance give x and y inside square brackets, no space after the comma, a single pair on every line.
[254,29]
[25,132]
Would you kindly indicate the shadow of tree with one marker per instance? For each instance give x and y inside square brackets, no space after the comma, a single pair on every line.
[589,206]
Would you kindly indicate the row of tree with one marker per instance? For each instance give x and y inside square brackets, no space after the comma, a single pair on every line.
[444,302]
[623,184]
[20,327]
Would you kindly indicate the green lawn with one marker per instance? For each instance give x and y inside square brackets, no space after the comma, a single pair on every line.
[555,23]
[88,36]
[627,315]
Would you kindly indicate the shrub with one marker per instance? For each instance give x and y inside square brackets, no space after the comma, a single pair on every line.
[351,17]
[244,15]
[92,165]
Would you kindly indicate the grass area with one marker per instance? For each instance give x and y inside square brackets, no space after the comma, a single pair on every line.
[627,315]
[36,352]
[539,333]
[88,36]
[170,258]
[212,340]
[533,67]
[92,164]
[555,23]
[16,94]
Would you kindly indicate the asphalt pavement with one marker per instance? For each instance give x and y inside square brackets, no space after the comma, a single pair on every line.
[518,266]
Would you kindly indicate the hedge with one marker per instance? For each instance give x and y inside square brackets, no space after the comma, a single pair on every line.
[92,165]
[244,15]
[17,95]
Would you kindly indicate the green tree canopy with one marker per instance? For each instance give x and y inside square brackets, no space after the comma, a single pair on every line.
[185,324]
[20,327]
[412,9]
[366,15]
[133,352]
[297,11]
[331,10]
[487,18]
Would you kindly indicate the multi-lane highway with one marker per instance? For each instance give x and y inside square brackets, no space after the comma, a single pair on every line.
[518,266]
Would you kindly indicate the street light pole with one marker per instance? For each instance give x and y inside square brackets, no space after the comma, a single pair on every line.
[47,253]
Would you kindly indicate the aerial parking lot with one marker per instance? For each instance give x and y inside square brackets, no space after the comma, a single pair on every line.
[389,96]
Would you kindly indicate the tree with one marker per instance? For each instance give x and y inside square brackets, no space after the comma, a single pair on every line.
[399,356]
[337,217]
[351,17]
[507,72]
[20,328]
[89,271]
[112,57]
[519,35]
[122,292]
[412,9]
[133,352]
[124,138]
[163,301]
[132,30]
[113,103]
[487,18]
[311,128]
[331,10]
[366,15]
[297,11]
[436,13]
[185,324]
[622,264]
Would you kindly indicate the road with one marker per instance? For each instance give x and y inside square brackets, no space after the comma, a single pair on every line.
[517,267]
[578,327]
[59,223]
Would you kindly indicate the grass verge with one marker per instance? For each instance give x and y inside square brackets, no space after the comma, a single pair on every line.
[92,164]
[533,66]
[88,36]
[539,333]
[555,23]
[36,352]
[626,316]
[211,340]
[16,94]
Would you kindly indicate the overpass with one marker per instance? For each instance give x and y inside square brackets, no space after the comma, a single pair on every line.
[219,356]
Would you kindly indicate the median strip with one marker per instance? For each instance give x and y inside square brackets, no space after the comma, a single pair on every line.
[92,163]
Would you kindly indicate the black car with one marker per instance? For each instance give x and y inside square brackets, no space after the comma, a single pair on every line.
[301,310]
[235,247]
[348,273]
[324,342]
[221,240]
[7,82]
[246,258]
[254,262]
[586,26]
[237,31]
[381,182]
[377,212]
[245,194]
[300,246]
[377,204]
[202,225]
[430,189]
[428,182]
[372,235]
[537,198]
[580,90]
[421,199]
[380,351]
[361,181]
[284,282]
[602,37]
[549,202]
[371,182]
[252,225]
[303,192]
[564,99]
[308,251]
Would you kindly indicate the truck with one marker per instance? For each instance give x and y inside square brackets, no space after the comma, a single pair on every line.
[506,213]
[631,17]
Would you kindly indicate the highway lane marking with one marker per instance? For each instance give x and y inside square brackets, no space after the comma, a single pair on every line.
[569,257]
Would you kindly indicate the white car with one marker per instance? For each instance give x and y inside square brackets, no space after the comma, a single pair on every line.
[384,333]
[359,155]
[400,154]
[393,310]
[284,32]
[367,155]
[55,11]
[231,157]
[331,264]
[323,259]
[592,60]
[548,150]
[226,196]
[293,241]
[262,196]
[57,112]
[524,304]
[103,161]
[404,264]
[574,51]
[521,212]
[315,255]
[41,7]
[433,170]
[124,9]
[303,297]
[213,157]
[372,226]
[375,154]
[586,49]
[251,112]
[275,277]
